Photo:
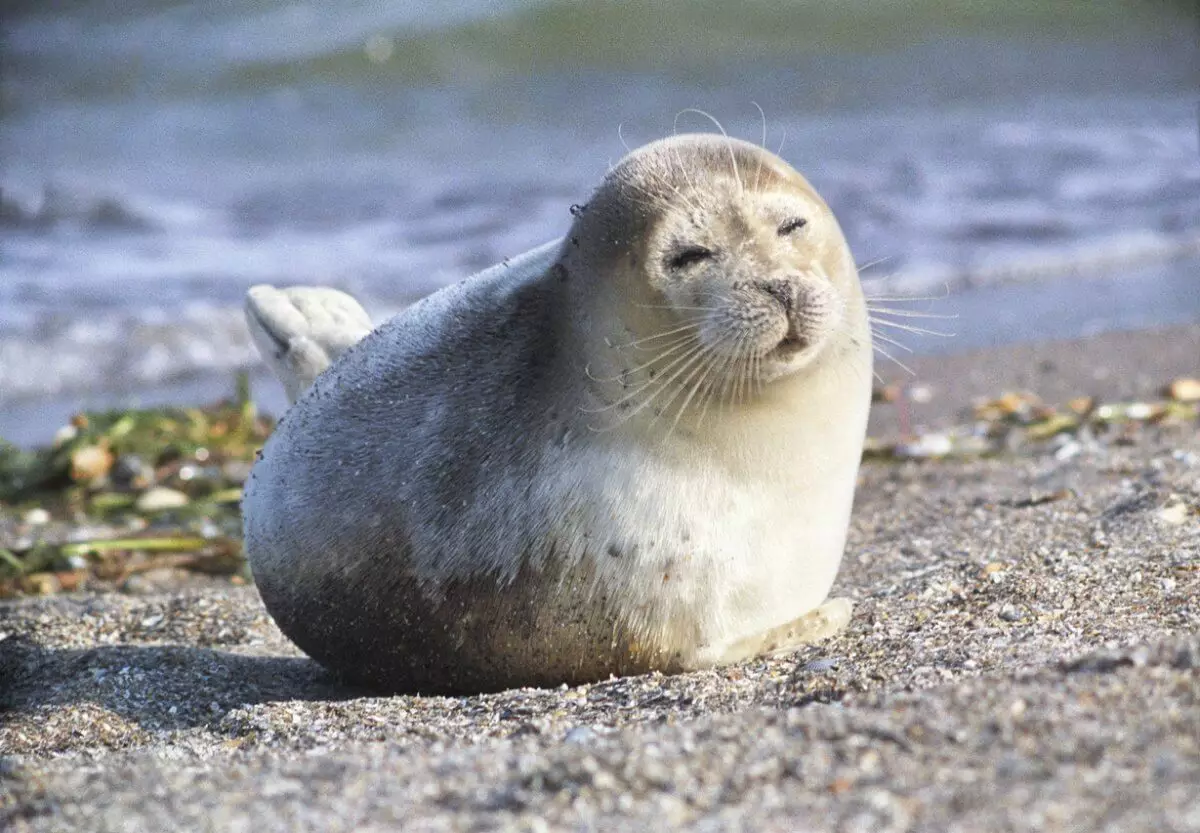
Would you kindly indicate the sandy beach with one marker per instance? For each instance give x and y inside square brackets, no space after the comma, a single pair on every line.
[1024,654]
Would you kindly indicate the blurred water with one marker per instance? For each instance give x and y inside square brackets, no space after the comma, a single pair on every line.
[156,158]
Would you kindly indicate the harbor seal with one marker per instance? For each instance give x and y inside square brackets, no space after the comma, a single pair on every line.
[631,449]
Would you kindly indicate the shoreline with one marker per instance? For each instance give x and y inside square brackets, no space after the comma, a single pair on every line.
[1023,655]
[1121,365]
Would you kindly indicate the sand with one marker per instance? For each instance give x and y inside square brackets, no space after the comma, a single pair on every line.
[1025,654]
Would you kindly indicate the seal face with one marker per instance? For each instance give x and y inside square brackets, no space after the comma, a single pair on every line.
[632,449]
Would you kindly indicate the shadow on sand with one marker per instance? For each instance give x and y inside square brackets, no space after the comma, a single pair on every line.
[157,686]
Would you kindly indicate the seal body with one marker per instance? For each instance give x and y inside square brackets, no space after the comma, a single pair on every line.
[632,449]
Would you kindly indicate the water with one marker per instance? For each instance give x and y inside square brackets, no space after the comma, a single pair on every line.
[1037,165]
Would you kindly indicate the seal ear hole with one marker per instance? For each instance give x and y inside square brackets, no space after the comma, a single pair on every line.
[794,224]
[687,256]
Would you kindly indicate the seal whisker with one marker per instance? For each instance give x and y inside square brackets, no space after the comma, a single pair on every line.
[732,156]
[720,298]
[906,299]
[636,342]
[662,181]
[720,368]
[743,363]
[908,328]
[706,370]
[909,313]
[662,355]
[871,263]
[892,358]
[679,339]
[621,136]
[657,178]
[892,341]
[654,200]
[763,144]
[687,177]
[685,384]
[665,381]
[657,379]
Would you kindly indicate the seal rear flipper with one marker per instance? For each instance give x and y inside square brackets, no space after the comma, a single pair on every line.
[301,330]
[827,620]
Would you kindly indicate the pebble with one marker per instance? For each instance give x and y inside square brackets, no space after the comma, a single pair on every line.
[821,665]
[929,445]
[1175,512]
[159,499]
[131,472]
[580,734]
[36,517]
[1184,390]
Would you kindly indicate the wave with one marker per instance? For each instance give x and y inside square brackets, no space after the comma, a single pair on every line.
[189,49]
[1090,259]
[57,207]
[125,350]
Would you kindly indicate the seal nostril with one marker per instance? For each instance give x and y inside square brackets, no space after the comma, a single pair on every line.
[782,291]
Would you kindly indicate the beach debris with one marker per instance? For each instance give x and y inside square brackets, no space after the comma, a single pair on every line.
[1175,511]
[130,472]
[90,463]
[160,499]
[37,516]
[1014,405]
[122,493]
[926,446]
[1184,390]
[1015,418]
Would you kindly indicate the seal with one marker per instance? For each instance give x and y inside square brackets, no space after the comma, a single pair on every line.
[631,449]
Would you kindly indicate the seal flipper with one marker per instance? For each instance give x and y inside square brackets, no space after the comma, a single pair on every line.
[828,619]
[301,330]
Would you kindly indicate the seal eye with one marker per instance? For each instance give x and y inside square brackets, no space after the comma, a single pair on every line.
[791,225]
[689,256]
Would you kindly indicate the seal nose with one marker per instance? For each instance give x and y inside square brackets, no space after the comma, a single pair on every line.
[782,291]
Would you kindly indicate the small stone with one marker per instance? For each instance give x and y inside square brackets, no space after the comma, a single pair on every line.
[132,472]
[580,734]
[41,584]
[929,445]
[90,463]
[1184,390]
[821,665]
[160,499]
[1175,512]
[36,517]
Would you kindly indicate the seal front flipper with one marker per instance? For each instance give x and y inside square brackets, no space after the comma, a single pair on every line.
[828,619]
[301,330]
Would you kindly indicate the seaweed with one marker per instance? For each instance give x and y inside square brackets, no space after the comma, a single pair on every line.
[123,491]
